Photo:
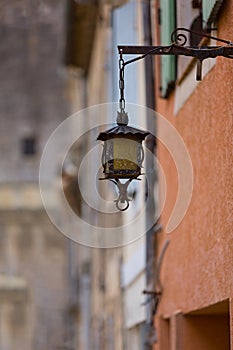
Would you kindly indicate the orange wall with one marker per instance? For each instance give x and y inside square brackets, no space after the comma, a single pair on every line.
[198,267]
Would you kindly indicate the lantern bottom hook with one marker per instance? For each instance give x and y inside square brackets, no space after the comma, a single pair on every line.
[122,202]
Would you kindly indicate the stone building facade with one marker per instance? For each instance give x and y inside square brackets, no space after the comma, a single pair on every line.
[35,270]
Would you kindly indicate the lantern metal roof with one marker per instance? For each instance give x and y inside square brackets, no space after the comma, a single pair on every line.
[122,130]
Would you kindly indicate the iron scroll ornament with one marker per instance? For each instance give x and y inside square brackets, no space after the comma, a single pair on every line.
[181,38]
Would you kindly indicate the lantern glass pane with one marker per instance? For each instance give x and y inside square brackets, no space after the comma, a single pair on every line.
[109,150]
[125,154]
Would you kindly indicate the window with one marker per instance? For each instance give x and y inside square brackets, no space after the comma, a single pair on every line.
[29,146]
[210,10]
[168,63]
[196,15]
[189,15]
[202,329]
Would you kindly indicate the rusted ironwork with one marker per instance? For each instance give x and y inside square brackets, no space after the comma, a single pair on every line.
[179,39]
[178,48]
[154,296]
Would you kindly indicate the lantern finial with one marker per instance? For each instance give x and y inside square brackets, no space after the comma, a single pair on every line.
[122,118]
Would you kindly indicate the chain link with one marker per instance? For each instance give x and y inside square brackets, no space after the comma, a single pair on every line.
[121,83]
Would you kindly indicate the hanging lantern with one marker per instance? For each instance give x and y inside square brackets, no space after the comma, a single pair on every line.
[122,156]
[122,152]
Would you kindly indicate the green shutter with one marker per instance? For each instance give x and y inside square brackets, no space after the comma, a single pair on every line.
[168,63]
[210,9]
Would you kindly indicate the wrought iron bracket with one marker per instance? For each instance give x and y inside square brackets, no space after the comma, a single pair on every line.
[178,48]
[154,296]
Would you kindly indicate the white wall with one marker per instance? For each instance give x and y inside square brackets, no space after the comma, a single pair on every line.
[127,30]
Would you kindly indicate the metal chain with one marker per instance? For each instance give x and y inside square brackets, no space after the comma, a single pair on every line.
[121,82]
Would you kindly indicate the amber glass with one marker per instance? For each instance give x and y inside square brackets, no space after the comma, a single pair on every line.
[125,154]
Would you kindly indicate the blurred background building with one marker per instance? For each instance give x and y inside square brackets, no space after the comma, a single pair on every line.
[58,58]
[36,284]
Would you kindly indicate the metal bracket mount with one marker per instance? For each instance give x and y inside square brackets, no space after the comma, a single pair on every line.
[199,52]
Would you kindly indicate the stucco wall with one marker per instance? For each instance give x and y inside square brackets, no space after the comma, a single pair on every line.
[197,269]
